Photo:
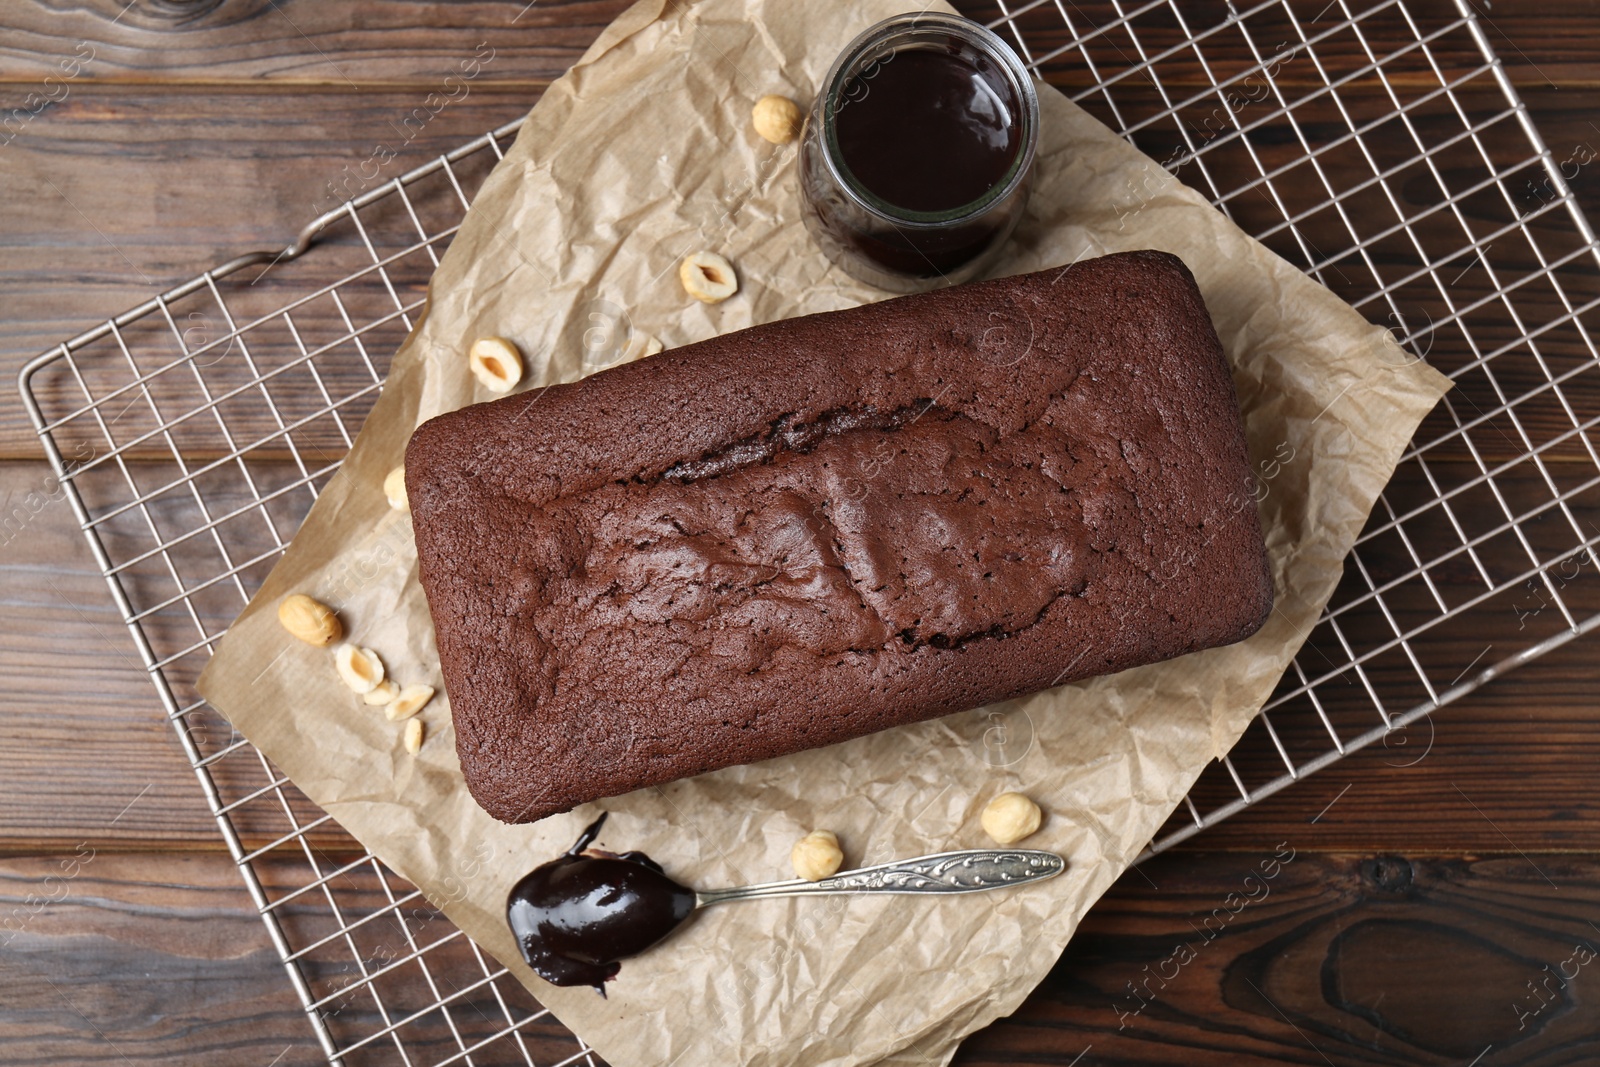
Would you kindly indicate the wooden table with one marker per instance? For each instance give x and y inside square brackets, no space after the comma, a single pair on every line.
[1424,896]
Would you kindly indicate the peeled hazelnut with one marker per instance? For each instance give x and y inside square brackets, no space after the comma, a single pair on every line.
[708,277]
[383,693]
[1010,817]
[411,700]
[496,363]
[816,856]
[777,118]
[360,668]
[394,487]
[310,620]
[412,738]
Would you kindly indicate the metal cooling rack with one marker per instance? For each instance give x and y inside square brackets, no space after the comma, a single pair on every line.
[193,432]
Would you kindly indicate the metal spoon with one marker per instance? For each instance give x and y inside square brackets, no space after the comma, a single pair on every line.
[970,871]
[577,916]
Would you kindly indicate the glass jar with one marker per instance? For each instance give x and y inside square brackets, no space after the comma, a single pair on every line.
[916,157]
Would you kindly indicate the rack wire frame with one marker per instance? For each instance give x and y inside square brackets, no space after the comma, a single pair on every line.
[186,504]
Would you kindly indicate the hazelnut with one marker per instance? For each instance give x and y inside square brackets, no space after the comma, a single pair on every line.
[816,856]
[394,487]
[496,363]
[360,668]
[708,277]
[310,620]
[1010,817]
[382,694]
[777,119]
[408,702]
[412,736]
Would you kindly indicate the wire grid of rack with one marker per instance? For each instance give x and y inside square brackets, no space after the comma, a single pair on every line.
[1381,148]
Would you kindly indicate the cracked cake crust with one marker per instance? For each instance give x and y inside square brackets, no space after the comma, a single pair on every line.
[807,531]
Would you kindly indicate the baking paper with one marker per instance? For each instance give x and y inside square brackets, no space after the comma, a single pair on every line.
[643,153]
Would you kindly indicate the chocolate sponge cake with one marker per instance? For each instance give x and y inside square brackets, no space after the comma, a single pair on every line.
[803,532]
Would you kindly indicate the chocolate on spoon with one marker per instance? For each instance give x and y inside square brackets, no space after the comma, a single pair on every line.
[577,917]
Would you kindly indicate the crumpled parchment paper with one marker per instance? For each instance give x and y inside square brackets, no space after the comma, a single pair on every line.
[642,153]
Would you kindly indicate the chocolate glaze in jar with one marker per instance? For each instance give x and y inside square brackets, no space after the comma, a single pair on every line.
[915,161]
[931,130]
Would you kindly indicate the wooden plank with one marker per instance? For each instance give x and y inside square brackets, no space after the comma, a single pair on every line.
[140,959]
[113,214]
[1339,959]
[1426,784]
[1241,37]
[1354,959]
[414,42]
[292,42]
[1342,959]
[1502,769]
[151,958]
[90,754]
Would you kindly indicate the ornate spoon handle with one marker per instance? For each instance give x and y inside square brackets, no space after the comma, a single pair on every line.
[947,872]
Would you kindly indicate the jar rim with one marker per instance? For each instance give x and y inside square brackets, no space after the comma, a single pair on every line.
[969,32]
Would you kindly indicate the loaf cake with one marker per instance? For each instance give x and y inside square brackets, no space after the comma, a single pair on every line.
[807,531]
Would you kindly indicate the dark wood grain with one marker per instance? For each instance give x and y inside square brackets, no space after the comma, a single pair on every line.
[1435,874]
[139,959]
[1388,958]
[290,42]
[89,754]
[1347,36]
[350,44]
[116,211]
[154,958]
[1337,959]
